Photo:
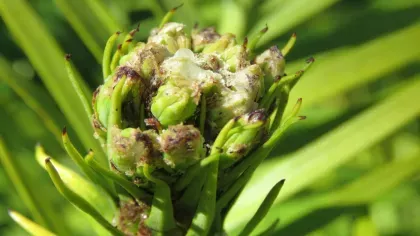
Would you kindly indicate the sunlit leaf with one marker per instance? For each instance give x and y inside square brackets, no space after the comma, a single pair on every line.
[30,226]
[92,22]
[91,193]
[36,101]
[339,71]
[287,15]
[40,210]
[48,59]
[364,226]
[330,151]
[232,18]
[363,190]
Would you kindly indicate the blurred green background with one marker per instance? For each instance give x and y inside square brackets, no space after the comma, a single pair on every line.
[351,168]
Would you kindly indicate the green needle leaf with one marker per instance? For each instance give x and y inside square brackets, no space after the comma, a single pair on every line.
[131,188]
[250,163]
[191,195]
[379,181]
[396,47]
[90,192]
[193,171]
[128,40]
[92,22]
[114,119]
[283,86]
[289,45]
[161,218]
[206,209]
[335,148]
[77,200]
[364,226]
[270,228]
[30,226]
[77,86]
[38,102]
[232,18]
[169,15]
[106,59]
[220,139]
[203,108]
[290,14]
[30,199]
[78,159]
[255,39]
[45,55]
[263,209]
[116,58]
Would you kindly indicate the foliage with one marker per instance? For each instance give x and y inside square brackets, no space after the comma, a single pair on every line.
[349,167]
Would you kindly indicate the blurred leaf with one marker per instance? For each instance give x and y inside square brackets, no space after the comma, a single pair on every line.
[330,151]
[26,91]
[30,226]
[363,190]
[186,14]
[48,59]
[336,72]
[363,226]
[271,5]
[232,18]
[155,7]
[395,4]
[288,15]
[92,22]
[40,210]
[377,182]
[86,189]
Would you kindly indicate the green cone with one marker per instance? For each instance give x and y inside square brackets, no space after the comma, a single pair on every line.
[201,38]
[132,92]
[272,62]
[145,59]
[172,36]
[237,98]
[182,146]
[173,103]
[235,58]
[248,131]
[196,72]
[225,41]
[133,148]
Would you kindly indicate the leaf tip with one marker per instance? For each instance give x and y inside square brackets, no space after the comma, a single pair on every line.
[67,56]
[265,29]
[310,60]
[245,44]
[177,7]
[302,117]
[64,131]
